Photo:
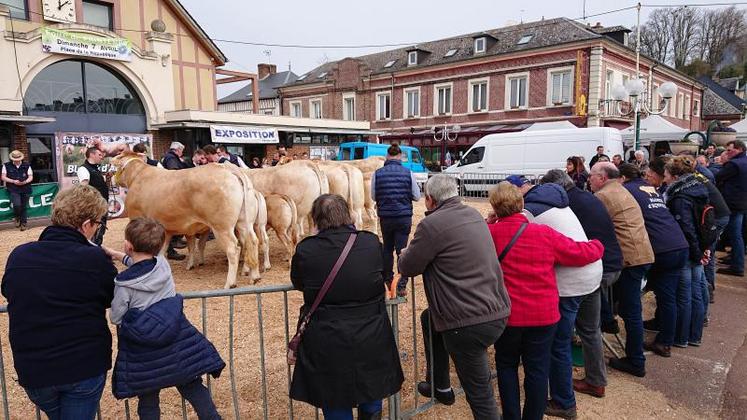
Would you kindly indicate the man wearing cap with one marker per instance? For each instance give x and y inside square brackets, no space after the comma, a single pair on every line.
[521,182]
[18,176]
[173,160]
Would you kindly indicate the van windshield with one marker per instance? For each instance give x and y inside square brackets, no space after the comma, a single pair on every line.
[358,154]
[474,156]
[416,157]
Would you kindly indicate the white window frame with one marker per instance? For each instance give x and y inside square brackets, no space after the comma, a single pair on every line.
[449,85]
[470,94]
[688,109]
[378,108]
[345,97]
[557,70]
[311,108]
[696,108]
[412,58]
[507,89]
[680,106]
[291,104]
[609,82]
[484,45]
[406,103]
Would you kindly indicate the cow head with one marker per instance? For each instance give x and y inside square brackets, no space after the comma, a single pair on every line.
[121,162]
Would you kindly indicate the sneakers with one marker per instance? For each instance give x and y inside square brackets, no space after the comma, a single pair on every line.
[610,327]
[580,385]
[658,348]
[23,227]
[730,271]
[445,398]
[555,410]
[651,325]
[624,365]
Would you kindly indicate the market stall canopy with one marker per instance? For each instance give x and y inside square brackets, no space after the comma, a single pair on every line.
[741,128]
[653,128]
[551,125]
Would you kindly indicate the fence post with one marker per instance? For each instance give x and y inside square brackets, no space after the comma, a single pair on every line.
[396,399]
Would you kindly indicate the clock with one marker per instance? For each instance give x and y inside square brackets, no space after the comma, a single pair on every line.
[59,10]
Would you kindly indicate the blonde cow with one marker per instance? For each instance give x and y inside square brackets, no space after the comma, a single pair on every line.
[282,217]
[368,167]
[187,202]
[301,181]
[260,228]
[347,181]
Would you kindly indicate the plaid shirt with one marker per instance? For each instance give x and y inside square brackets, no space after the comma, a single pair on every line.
[529,268]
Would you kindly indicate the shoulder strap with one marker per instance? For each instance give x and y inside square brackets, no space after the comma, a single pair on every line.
[512,242]
[332,274]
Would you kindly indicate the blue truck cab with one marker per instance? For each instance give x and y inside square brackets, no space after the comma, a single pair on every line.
[411,157]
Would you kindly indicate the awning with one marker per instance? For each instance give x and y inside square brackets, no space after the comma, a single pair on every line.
[26,119]
[36,147]
[289,129]
[653,128]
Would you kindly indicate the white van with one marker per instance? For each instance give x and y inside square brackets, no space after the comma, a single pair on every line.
[531,153]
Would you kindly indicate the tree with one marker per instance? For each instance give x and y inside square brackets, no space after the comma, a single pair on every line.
[683,31]
[722,37]
[655,41]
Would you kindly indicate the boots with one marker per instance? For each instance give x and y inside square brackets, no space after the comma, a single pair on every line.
[369,416]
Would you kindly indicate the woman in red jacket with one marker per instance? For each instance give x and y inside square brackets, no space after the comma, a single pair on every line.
[529,275]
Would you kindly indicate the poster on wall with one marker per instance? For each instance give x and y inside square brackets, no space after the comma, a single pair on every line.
[39,204]
[323,152]
[55,41]
[71,152]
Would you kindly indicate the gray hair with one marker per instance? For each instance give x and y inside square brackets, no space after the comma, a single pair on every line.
[639,153]
[609,170]
[176,145]
[441,187]
[560,177]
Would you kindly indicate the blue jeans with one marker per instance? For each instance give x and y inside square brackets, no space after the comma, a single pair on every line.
[700,304]
[76,401]
[734,230]
[394,232]
[561,359]
[347,413]
[148,405]
[19,201]
[710,269]
[531,345]
[690,311]
[665,275]
[628,290]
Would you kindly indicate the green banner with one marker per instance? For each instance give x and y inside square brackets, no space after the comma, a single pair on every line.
[39,205]
[73,43]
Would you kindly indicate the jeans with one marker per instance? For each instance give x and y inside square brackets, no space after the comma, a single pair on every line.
[628,290]
[148,405]
[394,231]
[710,269]
[734,230]
[347,413]
[587,328]
[531,346]
[608,280]
[76,401]
[19,201]
[664,276]
[467,347]
[690,310]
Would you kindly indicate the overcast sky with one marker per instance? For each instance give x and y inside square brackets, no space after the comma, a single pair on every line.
[351,22]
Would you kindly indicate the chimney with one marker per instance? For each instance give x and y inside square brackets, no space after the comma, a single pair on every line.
[598,26]
[264,70]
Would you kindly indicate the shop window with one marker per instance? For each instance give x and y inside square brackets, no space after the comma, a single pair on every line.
[98,14]
[79,86]
[18,9]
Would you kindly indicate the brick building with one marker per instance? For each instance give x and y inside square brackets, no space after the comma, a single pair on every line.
[489,82]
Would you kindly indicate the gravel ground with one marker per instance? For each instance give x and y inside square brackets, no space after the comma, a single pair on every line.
[626,397]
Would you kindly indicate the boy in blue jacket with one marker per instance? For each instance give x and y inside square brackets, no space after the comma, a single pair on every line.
[158,347]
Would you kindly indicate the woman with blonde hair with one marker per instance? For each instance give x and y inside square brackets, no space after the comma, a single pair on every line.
[58,289]
[528,253]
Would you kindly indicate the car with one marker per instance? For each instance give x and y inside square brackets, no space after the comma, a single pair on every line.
[411,157]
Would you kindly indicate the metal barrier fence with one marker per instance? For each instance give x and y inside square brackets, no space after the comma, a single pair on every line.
[477,185]
[394,404]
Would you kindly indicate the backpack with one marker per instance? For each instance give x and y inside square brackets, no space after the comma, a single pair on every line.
[705,224]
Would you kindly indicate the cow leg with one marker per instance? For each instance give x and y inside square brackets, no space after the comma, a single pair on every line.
[250,251]
[358,213]
[371,212]
[285,239]
[228,241]
[310,221]
[264,244]
[191,251]
[201,248]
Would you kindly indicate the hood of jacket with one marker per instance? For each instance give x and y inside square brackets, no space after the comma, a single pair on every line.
[63,233]
[688,187]
[542,198]
[156,326]
[140,276]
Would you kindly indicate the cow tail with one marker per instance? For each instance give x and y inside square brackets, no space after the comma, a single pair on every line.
[251,257]
[349,174]
[293,230]
[322,177]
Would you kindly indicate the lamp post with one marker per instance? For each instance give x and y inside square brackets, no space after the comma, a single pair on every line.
[443,135]
[635,90]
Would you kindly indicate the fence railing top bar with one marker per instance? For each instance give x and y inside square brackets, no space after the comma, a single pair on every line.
[238,291]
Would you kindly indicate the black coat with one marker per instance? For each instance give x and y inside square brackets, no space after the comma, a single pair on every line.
[348,354]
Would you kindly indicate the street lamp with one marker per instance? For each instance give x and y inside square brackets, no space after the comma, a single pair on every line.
[635,90]
[444,134]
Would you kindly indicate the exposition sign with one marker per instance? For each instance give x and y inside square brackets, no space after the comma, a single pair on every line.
[73,43]
[243,134]
[39,204]
[71,153]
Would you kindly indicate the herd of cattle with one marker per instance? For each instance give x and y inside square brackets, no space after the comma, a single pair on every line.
[238,205]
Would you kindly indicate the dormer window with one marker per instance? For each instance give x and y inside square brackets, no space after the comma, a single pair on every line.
[525,39]
[480,45]
[322,76]
[389,64]
[412,58]
[303,77]
[450,53]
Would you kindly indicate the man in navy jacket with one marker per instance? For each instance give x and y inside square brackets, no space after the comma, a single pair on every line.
[732,179]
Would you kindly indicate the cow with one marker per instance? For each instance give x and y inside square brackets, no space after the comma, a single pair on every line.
[347,181]
[192,202]
[301,181]
[368,167]
[282,217]
[260,229]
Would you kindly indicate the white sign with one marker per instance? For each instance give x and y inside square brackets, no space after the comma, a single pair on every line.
[73,43]
[243,134]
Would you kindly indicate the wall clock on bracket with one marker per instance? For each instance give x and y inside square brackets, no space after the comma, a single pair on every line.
[59,10]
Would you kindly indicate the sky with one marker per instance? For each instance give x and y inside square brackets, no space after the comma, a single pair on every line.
[351,22]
